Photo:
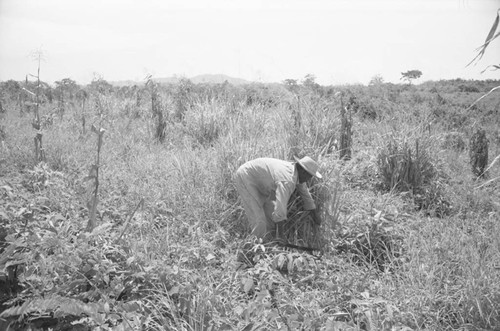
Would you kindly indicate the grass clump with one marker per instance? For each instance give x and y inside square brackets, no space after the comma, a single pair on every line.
[405,166]
[411,166]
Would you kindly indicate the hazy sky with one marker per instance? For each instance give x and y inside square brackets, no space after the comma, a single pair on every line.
[269,40]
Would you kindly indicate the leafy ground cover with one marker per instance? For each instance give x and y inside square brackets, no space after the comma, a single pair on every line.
[409,239]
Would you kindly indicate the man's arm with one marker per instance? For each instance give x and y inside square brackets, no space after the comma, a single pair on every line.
[307,199]
[283,192]
[308,202]
[316,216]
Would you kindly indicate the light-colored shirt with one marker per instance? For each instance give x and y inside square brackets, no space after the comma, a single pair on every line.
[275,180]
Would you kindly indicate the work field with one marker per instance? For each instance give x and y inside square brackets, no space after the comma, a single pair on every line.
[118,209]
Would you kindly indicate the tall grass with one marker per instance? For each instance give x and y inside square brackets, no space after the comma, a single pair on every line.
[384,265]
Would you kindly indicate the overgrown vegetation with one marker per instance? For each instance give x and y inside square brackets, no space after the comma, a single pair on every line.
[409,239]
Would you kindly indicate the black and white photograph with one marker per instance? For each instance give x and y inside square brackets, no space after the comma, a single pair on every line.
[250,165]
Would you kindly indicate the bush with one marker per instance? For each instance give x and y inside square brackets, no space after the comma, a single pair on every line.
[468,88]
[367,111]
[404,167]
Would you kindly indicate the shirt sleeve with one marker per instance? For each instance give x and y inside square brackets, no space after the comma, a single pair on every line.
[283,192]
[307,199]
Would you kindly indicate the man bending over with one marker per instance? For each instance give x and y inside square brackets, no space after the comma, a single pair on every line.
[265,186]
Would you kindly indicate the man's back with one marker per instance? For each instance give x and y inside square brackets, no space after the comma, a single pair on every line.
[265,173]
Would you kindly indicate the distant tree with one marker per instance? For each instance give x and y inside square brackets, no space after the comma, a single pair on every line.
[67,86]
[100,85]
[310,81]
[291,85]
[65,90]
[376,80]
[410,75]
[290,82]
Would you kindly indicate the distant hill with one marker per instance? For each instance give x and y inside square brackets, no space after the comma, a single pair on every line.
[208,78]
[218,79]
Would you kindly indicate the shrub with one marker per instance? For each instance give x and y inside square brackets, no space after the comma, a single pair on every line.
[404,167]
[468,88]
[66,276]
[367,111]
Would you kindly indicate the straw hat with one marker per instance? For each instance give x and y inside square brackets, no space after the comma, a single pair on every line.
[309,165]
